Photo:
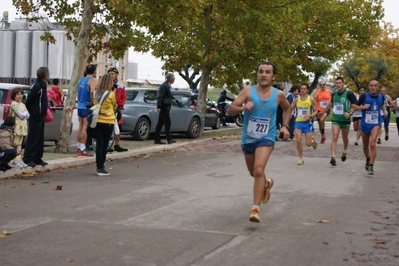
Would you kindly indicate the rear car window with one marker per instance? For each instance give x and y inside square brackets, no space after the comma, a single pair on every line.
[131,95]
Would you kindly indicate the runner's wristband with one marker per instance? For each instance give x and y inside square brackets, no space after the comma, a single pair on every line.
[284,125]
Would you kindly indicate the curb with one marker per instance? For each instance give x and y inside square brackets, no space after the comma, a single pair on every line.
[78,161]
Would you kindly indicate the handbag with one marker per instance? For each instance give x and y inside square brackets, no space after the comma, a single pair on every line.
[49,117]
[94,111]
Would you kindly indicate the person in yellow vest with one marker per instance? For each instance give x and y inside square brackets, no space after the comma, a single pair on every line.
[306,107]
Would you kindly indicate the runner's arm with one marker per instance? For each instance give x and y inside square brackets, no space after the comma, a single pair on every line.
[241,103]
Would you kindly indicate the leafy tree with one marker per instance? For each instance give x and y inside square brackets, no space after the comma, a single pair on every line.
[378,61]
[225,40]
[93,26]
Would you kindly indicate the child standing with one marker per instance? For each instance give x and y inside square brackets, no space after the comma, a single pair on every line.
[21,114]
[58,93]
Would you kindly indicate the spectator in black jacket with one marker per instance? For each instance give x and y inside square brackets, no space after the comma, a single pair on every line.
[164,104]
[222,104]
[36,103]
[279,118]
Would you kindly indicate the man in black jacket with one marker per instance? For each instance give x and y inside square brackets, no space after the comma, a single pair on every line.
[164,104]
[36,103]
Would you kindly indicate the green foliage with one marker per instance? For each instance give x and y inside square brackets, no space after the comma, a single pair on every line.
[378,61]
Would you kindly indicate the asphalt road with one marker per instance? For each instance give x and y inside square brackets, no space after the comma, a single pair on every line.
[190,206]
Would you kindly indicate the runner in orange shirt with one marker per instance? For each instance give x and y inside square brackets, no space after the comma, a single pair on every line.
[323,98]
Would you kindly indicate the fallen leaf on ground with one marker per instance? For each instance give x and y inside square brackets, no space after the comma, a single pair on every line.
[58,187]
[378,241]
[323,221]
[6,205]
[33,183]
[6,233]
[2,236]
[69,260]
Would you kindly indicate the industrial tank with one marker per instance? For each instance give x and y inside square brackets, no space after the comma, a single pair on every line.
[23,44]
[56,54]
[69,60]
[39,52]
[7,51]
[19,24]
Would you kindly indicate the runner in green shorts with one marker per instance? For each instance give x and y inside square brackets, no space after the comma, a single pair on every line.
[342,101]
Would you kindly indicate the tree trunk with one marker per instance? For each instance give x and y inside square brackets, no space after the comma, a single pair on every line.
[203,90]
[82,40]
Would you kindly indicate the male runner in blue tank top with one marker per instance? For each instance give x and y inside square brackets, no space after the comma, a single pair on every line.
[86,87]
[372,104]
[259,102]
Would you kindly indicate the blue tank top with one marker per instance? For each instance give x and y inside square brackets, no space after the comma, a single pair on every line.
[260,121]
[371,117]
[84,95]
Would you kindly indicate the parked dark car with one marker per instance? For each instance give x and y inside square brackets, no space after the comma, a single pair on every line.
[140,115]
[189,99]
[51,130]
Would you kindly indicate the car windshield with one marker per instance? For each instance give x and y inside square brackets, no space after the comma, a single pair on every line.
[182,98]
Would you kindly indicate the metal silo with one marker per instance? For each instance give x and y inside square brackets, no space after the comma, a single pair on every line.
[56,54]
[39,52]
[19,24]
[7,51]
[69,60]
[23,44]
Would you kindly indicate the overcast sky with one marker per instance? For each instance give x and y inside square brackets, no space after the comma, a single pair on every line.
[150,67]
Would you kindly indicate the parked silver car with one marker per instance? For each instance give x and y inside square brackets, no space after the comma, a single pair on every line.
[51,130]
[140,115]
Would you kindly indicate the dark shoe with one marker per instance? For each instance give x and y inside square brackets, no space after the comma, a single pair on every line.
[225,125]
[119,148]
[102,172]
[89,147]
[159,142]
[30,164]
[110,150]
[378,141]
[171,141]
[41,162]
[370,170]
[386,137]
[5,166]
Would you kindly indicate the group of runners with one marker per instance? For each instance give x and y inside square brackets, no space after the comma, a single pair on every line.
[368,110]
[260,101]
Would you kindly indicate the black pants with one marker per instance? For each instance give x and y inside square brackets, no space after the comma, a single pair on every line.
[34,146]
[90,134]
[397,122]
[103,133]
[279,117]
[7,155]
[163,119]
[291,126]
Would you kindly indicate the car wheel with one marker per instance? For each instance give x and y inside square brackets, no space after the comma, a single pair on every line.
[194,128]
[142,130]
[217,124]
